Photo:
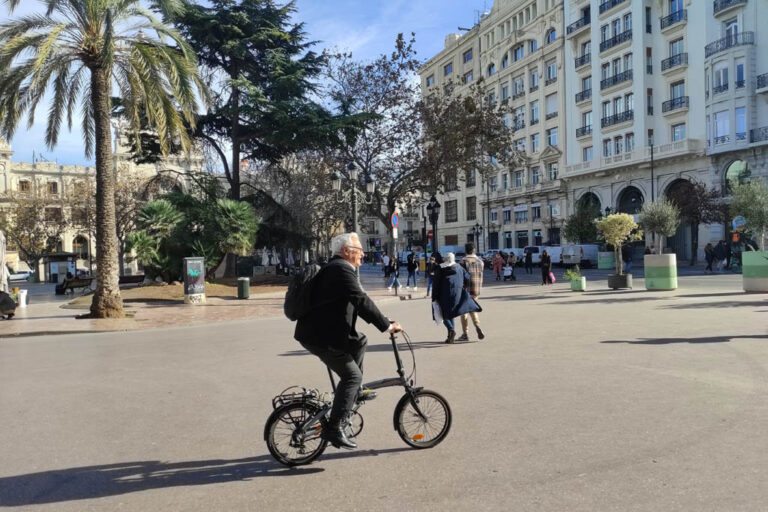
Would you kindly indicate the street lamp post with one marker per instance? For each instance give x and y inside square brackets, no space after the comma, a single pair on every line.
[477,231]
[433,210]
[351,193]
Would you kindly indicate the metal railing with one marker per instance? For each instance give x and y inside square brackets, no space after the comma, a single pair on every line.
[649,69]
[583,95]
[721,5]
[627,115]
[534,121]
[650,110]
[739,84]
[674,61]
[723,139]
[576,25]
[584,131]
[518,94]
[675,104]
[762,81]
[719,89]
[550,81]
[616,79]
[675,17]
[616,40]
[551,115]
[533,88]
[758,134]
[518,125]
[741,135]
[583,60]
[730,41]
[610,4]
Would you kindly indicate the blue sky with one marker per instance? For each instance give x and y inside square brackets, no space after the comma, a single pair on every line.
[365,27]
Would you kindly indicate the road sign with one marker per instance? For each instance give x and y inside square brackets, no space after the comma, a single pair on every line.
[395,220]
[429,234]
[739,223]
[394,232]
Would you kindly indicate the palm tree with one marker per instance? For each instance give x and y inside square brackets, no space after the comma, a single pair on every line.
[84,50]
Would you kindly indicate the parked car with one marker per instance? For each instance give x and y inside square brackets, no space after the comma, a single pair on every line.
[21,275]
[535,251]
[584,255]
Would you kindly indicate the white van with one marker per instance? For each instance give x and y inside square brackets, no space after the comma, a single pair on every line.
[584,255]
[535,251]
[555,253]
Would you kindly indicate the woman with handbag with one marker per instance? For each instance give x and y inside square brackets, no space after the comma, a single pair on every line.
[449,293]
[546,267]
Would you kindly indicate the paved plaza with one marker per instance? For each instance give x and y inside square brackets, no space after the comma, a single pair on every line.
[626,400]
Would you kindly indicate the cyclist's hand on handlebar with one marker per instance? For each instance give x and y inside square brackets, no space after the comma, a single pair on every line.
[395,327]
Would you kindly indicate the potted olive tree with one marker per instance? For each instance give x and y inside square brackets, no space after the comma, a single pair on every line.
[618,229]
[661,218]
[750,200]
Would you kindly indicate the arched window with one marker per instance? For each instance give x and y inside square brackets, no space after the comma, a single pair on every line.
[491,69]
[736,173]
[80,247]
[589,201]
[630,201]
[551,36]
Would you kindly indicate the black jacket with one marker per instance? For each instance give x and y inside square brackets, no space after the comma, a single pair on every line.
[337,301]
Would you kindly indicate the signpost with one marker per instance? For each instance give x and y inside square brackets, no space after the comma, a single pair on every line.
[194,281]
[395,221]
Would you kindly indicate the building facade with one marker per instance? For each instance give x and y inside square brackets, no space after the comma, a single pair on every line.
[518,49]
[660,93]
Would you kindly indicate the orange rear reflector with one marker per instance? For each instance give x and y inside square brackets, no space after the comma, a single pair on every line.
[418,437]
[319,427]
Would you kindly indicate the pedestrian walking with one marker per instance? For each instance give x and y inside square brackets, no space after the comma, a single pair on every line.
[720,254]
[512,262]
[431,269]
[412,265]
[474,266]
[450,294]
[626,255]
[709,255]
[498,264]
[394,274]
[328,331]
[546,267]
[528,262]
[385,264]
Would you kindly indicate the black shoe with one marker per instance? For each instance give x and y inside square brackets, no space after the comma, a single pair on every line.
[365,395]
[463,337]
[480,333]
[338,438]
[451,337]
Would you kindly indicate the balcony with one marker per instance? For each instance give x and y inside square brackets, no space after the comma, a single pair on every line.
[619,118]
[758,134]
[723,139]
[723,6]
[739,84]
[674,62]
[534,121]
[576,25]
[762,83]
[550,81]
[741,135]
[618,39]
[616,79]
[673,19]
[583,131]
[518,94]
[675,104]
[609,4]
[719,89]
[533,88]
[583,95]
[639,156]
[583,60]
[745,38]
[551,115]
[518,125]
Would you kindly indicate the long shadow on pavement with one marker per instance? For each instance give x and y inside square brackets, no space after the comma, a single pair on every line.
[707,339]
[721,304]
[90,482]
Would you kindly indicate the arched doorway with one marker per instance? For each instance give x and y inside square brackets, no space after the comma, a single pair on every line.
[80,247]
[682,242]
[630,201]
[736,173]
[589,200]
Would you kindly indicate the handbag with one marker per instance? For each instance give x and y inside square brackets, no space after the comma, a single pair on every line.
[551,277]
[437,314]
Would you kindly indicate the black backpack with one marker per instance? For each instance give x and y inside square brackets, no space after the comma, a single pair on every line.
[299,295]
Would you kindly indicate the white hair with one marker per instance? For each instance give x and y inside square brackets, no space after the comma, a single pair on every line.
[449,260]
[340,241]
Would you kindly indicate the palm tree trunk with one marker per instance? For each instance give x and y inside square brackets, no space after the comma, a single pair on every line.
[107,302]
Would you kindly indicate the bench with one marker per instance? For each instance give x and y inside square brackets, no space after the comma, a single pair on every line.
[80,282]
[137,279]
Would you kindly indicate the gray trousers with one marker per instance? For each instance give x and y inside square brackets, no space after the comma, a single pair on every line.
[348,365]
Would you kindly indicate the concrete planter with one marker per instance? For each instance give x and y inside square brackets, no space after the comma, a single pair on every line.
[617,281]
[606,260]
[754,271]
[660,271]
[579,285]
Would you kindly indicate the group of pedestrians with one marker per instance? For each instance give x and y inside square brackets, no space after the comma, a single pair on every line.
[724,255]
[392,272]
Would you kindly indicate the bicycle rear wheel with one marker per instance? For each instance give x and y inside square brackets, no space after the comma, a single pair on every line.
[423,432]
[285,439]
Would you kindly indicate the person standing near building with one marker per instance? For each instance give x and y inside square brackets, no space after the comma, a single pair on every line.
[412,266]
[430,271]
[385,264]
[546,267]
[498,264]
[474,266]
[394,274]
[709,255]
[512,262]
[528,262]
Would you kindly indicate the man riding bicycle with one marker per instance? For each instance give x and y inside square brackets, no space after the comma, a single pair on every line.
[328,330]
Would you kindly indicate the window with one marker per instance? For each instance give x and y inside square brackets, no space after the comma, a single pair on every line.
[491,69]
[536,212]
[468,77]
[53,214]
[586,154]
[534,112]
[451,211]
[471,208]
[533,45]
[650,136]
[522,239]
[521,217]
[741,123]
[628,21]
[518,53]
[648,20]
[24,186]
[535,175]
[534,78]
[537,238]
[618,105]
[448,69]
[552,137]
[605,71]
[504,181]
[607,109]
[586,48]
[649,100]
[722,125]
[552,171]
[676,47]
[628,61]
[629,142]
[586,83]
[607,147]
[616,66]
[519,145]
[493,183]
[451,240]
[618,145]
[739,82]
[586,119]
[518,179]
[468,55]
[678,132]
[551,36]
[551,105]
[535,143]
[430,80]
[677,89]
[731,28]
[493,215]
[720,78]
[53,187]
[616,26]
[504,92]
[649,60]
[629,101]
[605,33]
[552,70]
[505,61]
[471,178]
[518,85]
[507,216]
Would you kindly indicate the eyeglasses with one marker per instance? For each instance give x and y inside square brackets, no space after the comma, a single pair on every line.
[355,248]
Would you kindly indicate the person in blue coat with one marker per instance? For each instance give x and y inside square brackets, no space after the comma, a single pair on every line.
[449,292]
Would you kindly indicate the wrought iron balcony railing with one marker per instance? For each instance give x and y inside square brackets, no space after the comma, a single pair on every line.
[610,4]
[616,40]
[762,81]
[675,104]
[758,134]
[576,25]
[627,115]
[583,95]
[550,81]
[584,131]
[583,60]
[730,41]
[721,5]
[616,79]
[674,61]
[719,89]
[675,17]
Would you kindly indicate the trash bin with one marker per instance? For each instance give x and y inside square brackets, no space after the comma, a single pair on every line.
[22,298]
[243,287]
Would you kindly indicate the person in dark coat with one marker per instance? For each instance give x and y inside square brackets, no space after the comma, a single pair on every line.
[431,270]
[394,274]
[449,292]
[7,306]
[709,255]
[546,267]
[720,255]
[528,261]
[626,256]
[328,330]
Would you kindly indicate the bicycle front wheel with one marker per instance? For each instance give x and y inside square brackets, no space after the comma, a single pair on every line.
[427,429]
[286,438]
